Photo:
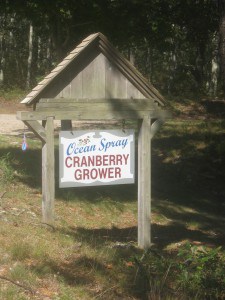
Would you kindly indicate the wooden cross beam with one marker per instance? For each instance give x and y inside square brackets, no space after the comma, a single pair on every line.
[92,109]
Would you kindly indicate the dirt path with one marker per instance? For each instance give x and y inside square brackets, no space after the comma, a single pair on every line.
[9,125]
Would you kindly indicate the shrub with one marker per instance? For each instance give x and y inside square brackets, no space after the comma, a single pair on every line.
[201,272]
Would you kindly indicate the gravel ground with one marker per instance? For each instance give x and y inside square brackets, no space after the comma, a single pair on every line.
[9,125]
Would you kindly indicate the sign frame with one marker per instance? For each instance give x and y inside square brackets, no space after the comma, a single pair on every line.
[109,146]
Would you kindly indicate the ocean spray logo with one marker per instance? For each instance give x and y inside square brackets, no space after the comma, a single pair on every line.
[82,147]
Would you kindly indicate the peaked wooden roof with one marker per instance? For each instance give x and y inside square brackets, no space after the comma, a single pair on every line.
[125,67]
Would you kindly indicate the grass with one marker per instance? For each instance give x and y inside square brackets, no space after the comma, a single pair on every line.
[12,93]
[91,252]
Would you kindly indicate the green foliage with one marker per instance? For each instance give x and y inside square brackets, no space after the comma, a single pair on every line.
[11,293]
[172,43]
[21,251]
[195,273]
[12,93]
[201,272]
[153,275]
[6,170]
[91,251]
[24,275]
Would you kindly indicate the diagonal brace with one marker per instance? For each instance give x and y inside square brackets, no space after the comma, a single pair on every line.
[37,129]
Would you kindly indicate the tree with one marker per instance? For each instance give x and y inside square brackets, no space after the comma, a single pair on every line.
[221,6]
[172,42]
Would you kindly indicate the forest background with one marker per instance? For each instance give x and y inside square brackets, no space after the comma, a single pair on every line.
[178,45]
[91,251]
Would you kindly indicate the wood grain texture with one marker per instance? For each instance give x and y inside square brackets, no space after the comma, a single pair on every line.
[93,78]
[37,129]
[116,83]
[48,173]
[144,183]
[92,114]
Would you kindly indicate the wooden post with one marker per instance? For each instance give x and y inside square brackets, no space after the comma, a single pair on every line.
[48,173]
[144,183]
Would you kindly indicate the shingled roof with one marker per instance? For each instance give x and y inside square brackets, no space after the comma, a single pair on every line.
[112,54]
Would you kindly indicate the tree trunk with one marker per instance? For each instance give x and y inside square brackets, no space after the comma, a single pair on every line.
[222,42]
[29,60]
[1,61]
[131,56]
[172,65]
[214,76]
[149,62]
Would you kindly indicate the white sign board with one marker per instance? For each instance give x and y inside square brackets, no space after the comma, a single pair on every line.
[96,158]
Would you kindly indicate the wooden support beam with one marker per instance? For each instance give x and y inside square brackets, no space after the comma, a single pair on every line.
[147,102]
[37,129]
[84,114]
[156,126]
[48,173]
[93,109]
[144,183]
[87,113]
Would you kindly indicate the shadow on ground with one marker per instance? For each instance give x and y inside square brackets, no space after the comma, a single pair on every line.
[187,186]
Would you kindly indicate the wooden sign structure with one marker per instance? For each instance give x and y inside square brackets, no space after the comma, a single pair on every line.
[94,82]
